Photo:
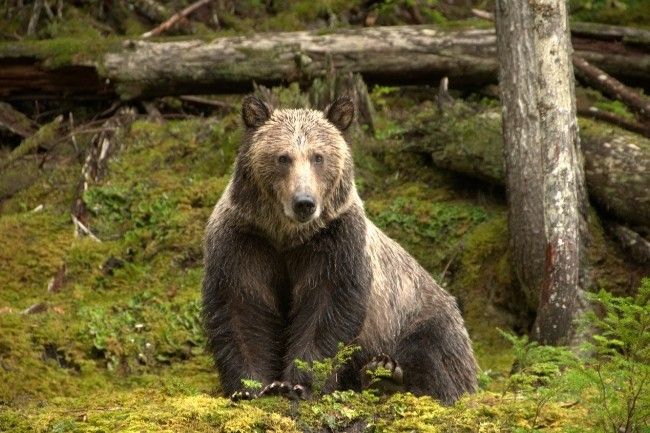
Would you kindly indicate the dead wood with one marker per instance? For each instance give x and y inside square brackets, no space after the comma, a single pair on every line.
[600,80]
[637,247]
[605,116]
[389,55]
[176,18]
[468,140]
[15,122]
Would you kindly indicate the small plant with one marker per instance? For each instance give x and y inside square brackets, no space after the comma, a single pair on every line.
[324,372]
[251,384]
[378,374]
[540,373]
[617,361]
[610,374]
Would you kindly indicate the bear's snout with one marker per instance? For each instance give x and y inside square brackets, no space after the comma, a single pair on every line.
[304,206]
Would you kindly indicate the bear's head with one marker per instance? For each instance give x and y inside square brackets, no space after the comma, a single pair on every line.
[298,159]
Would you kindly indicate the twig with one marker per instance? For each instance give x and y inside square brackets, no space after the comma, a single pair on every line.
[175,18]
[39,307]
[36,14]
[109,111]
[81,228]
[15,121]
[605,116]
[73,137]
[48,10]
[204,101]
[151,9]
[483,14]
[443,98]
[611,86]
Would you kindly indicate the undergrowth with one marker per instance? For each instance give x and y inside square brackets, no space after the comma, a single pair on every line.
[119,344]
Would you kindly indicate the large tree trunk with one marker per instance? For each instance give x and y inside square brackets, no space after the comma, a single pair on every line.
[400,54]
[544,177]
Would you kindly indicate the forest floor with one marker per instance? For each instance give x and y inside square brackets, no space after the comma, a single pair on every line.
[106,336]
[118,344]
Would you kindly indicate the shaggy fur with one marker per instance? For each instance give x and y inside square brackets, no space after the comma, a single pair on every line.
[277,289]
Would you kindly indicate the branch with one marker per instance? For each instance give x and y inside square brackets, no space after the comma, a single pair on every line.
[600,80]
[203,101]
[175,18]
[605,116]
[479,13]
[82,229]
[632,242]
[36,14]
[15,121]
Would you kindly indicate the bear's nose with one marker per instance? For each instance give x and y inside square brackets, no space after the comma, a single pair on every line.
[304,206]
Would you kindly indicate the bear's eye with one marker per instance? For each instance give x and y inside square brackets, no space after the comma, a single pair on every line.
[284,159]
[318,158]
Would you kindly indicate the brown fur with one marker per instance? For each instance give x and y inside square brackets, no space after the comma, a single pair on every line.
[308,285]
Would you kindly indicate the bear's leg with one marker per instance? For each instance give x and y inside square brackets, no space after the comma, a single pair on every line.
[246,343]
[242,310]
[330,288]
[437,360]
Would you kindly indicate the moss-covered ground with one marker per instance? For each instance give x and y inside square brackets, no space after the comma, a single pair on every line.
[118,346]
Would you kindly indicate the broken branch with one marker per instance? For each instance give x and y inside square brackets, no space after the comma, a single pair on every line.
[175,18]
[609,85]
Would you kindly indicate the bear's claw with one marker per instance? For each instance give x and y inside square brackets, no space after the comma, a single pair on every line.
[242,395]
[285,389]
[382,373]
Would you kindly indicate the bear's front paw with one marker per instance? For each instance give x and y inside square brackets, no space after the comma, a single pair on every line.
[384,374]
[242,395]
[285,389]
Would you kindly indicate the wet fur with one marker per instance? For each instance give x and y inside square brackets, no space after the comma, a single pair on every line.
[275,291]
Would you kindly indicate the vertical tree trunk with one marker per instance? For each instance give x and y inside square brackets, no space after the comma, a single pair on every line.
[545,178]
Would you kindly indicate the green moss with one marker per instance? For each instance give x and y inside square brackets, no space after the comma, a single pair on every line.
[484,274]
[60,52]
[623,13]
[120,344]
[429,229]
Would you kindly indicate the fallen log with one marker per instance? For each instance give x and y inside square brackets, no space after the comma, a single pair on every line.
[468,140]
[597,79]
[399,54]
[15,122]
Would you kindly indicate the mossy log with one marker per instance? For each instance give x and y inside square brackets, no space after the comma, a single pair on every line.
[469,141]
[399,54]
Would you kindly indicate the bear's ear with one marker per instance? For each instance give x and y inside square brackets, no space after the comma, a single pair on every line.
[341,112]
[254,111]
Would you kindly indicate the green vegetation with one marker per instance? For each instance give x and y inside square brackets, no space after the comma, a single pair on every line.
[618,12]
[324,371]
[119,346]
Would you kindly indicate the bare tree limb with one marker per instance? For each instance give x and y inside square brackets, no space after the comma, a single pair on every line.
[81,229]
[203,101]
[605,116]
[479,13]
[175,18]
[632,242]
[15,121]
[611,86]
[36,14]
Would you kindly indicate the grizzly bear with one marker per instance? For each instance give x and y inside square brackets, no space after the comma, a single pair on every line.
[293,267]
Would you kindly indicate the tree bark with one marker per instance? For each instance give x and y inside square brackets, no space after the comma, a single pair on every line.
[544,177]
[391,55]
